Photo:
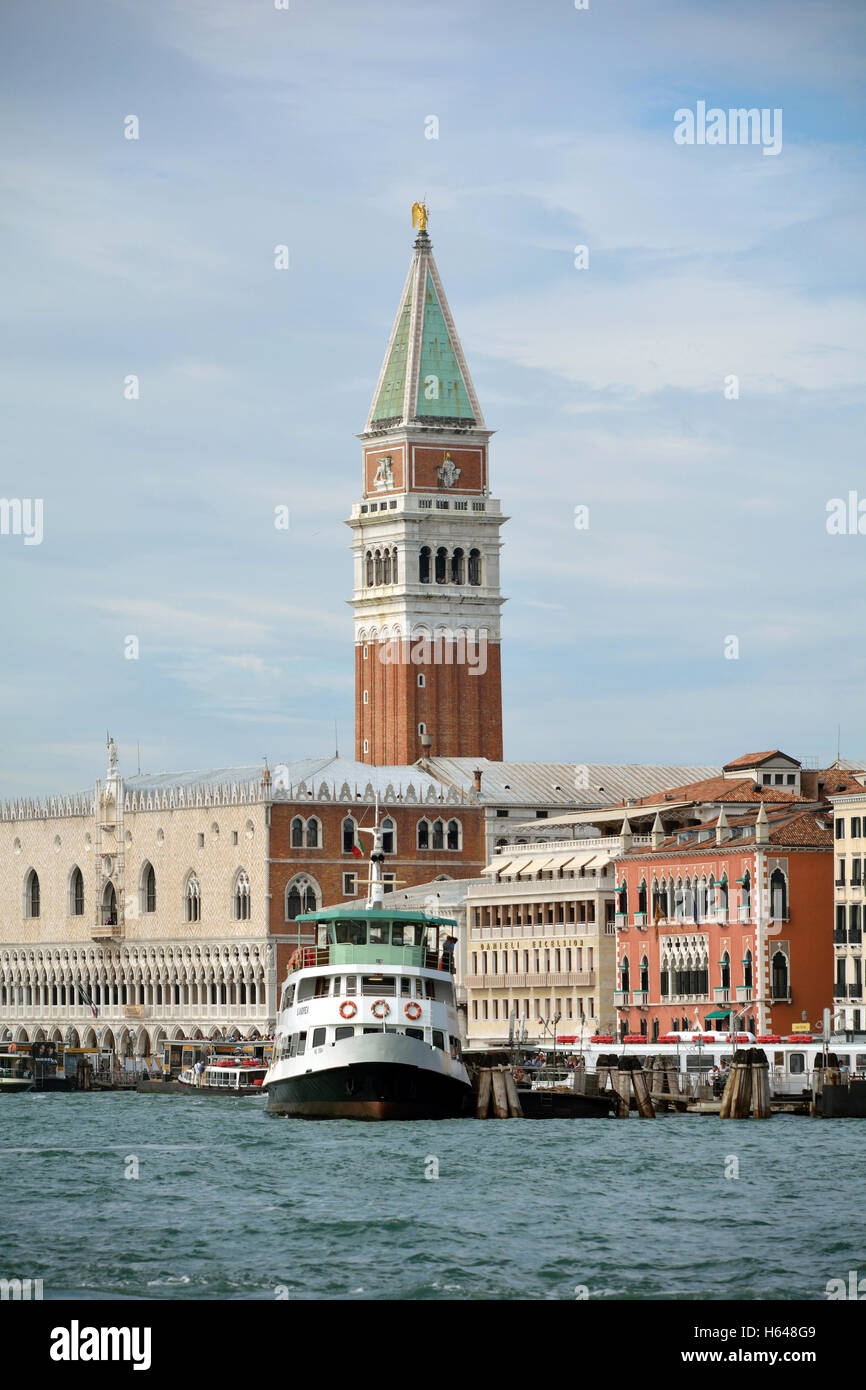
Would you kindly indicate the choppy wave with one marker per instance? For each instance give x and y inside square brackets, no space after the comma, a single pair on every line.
[143,1197]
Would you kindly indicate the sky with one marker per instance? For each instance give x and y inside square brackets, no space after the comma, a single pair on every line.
[608,385]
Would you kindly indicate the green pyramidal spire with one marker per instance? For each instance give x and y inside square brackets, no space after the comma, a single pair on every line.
[424,378]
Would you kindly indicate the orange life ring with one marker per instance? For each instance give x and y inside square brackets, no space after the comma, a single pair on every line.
[412,1009]
[348,1008]
[380,1004]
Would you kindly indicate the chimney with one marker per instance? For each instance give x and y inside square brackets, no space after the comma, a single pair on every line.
[476,775]
[657,833]
[722,830]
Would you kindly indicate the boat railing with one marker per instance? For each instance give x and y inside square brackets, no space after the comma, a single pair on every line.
[312,957]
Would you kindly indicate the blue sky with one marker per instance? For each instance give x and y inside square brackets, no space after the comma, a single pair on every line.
[605,386]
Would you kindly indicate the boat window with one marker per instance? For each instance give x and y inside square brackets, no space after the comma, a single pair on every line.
[306,989]
[341,1033]
[419,989]
[351,984]
[378,984]
[405,986]
[379,933]
[337,983]
[455,1047]
[843,1059]
[438,1039]
[861,1061]
[415,1033]
[406,934]
[302,1043]
[294,1046]
[323,986]
[350,933]
[318,1037]
[797,1062]
[429,990]
[372,1030]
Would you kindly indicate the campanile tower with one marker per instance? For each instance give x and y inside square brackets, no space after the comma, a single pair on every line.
[426,545]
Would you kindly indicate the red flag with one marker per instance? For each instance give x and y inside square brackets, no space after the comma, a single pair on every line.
[357,851]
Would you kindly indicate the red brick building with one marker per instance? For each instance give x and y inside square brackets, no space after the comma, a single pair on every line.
[730,913]
[426,546]
[430,832]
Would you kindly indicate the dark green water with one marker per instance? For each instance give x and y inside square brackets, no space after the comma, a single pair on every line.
[230,1203]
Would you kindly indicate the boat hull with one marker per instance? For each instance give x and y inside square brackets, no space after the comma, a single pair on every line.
[374,1090]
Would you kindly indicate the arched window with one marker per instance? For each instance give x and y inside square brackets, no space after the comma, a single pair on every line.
[109,906]
[641,896]
[394,576]
[76,893]
[242,897]
[438,835]
[457,566]
[722,898]
[148,888]
[301,897]
[386,567]
[622,898]
[350,838]
[624,974]
[778,895]
[747,970]
[725,964]
[746,890]
[192,899]
[453,839]
[378,566]
[779,985]
[314,833]
[424,565]
[423,834]
[644,975]
[369,565]
[31,894]
[441,564]
[297,833]
[475,567]
[389,836]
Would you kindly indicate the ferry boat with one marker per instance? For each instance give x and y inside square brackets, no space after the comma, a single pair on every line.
[225,1076]
[16,1074]
[367,1026]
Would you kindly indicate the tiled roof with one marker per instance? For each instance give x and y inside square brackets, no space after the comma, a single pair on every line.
[754,759]
[790,828]
[717,789]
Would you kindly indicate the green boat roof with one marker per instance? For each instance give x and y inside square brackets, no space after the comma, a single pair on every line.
[374,914]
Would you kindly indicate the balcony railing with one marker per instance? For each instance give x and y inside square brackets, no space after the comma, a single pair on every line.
[542,979]
[640,919]
[722,994]
[641,997]
[621,997]
[721,914]
[744,914]
[744,994]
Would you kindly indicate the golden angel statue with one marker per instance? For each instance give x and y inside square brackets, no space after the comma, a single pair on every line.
[419,216]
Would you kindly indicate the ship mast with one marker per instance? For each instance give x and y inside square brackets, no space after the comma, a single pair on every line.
[375,883]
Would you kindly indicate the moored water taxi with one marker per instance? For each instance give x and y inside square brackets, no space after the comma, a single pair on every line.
[16,1073]
[225,1076]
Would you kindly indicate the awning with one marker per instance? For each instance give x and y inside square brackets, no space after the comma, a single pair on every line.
[599,861]
[720,1013]
[532,867]
[577,861]
[497,867]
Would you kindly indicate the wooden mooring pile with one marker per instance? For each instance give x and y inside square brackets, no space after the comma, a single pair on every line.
[747,1090]
[497,1096]
[654,1084]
